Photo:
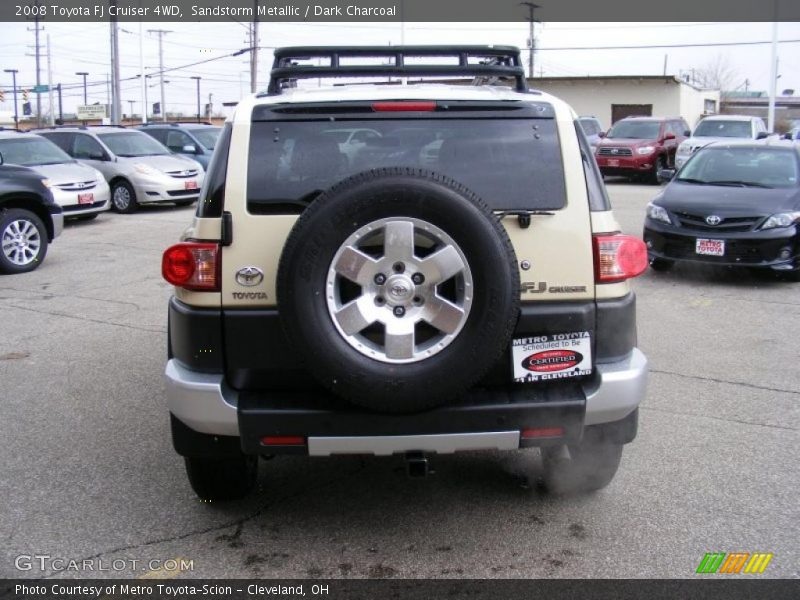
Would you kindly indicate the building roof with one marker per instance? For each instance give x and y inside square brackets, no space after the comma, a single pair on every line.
[597,78]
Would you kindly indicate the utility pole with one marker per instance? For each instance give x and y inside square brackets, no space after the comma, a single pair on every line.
[85,101]
[197,79]
[254,55]
[531,42]
[142,79]
[161,33]
[51,107]
[36,30]
[116,101]
[131,102]
[773,75]
[14,92]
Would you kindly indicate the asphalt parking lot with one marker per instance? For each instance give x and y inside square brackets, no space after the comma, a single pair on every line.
[88,471]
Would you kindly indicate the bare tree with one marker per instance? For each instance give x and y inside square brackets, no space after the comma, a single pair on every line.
[718,74]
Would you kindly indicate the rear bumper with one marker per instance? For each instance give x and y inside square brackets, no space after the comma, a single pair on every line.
[484,419]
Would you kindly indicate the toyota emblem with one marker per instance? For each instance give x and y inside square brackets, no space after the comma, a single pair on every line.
[614,151]
[249,276]
[713,220]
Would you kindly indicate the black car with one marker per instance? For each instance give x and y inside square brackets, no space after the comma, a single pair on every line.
[29,218]
[733,204]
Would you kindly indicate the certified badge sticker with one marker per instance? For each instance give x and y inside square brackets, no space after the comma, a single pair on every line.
[554,356]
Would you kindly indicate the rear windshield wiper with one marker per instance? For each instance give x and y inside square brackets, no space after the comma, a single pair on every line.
[740,183]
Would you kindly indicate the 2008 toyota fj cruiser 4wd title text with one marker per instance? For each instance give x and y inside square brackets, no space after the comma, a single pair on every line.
[413,269]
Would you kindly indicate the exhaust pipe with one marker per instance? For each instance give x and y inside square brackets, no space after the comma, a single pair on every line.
[417,464]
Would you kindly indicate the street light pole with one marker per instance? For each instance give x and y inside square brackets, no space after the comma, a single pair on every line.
[197,78]
[14,91]
[131,102]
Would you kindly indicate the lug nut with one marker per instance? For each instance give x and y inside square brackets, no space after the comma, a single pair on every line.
[399,311]
[418,278]
[380,301]
[417,300]
[398,267]
[380,279]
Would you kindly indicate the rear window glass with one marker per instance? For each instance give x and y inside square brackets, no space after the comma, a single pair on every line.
[510,163]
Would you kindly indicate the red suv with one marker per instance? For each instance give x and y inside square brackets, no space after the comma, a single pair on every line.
[638,147]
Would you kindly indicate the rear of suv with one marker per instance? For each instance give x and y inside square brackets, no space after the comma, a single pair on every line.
[639,147]
[138,169]
[465,289]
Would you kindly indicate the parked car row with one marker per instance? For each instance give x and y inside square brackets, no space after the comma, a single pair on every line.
[78,172]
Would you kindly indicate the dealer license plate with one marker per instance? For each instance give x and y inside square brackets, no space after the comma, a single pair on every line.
[87,198]
[550,357]
[710,247]
[190,185]
[612,162]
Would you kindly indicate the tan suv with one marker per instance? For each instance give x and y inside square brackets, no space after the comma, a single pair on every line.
[454,281]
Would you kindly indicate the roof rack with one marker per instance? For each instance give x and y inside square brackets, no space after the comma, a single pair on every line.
[492,62]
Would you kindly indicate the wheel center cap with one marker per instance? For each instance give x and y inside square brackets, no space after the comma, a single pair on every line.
[399,290]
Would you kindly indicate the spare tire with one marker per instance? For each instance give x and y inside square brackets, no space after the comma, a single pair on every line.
[399,289]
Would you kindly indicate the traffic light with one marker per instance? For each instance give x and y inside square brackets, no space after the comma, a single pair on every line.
[25,95]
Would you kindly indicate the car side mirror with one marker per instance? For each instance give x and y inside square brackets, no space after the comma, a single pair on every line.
[602,134]
[762,135]
[669,136]
[687,133]
[189,149]
[666,174]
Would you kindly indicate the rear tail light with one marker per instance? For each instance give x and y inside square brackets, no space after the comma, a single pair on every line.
[192,266]
[418,106]
[618,257]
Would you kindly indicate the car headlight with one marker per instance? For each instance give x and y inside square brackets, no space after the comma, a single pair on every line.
[684,149]
[99,176]
[145,169]
[46,183]
[781,220]
[646,150]
[658,213]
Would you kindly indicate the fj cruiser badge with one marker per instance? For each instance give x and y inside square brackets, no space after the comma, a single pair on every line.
[249,276]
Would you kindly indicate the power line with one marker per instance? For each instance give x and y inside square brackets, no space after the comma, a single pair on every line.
[657,46]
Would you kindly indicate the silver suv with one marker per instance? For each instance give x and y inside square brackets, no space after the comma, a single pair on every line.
[139,169]
[455,280]
[720,128]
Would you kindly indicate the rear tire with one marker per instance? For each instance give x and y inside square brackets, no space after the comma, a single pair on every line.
[23,238]
[219,479]
[661,264]
[583,468]
[123,198]
[660,164]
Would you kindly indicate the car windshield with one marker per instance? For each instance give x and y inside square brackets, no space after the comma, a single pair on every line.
[759,167]
[635,130]
[32,152]
[510,163]
[715,128]
[132,143]
[207,136]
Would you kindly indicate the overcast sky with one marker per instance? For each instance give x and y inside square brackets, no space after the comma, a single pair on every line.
[85,47]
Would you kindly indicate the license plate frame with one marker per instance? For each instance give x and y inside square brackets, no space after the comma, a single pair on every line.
[190,185]
[86,198]
[709,247]
[550,357]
